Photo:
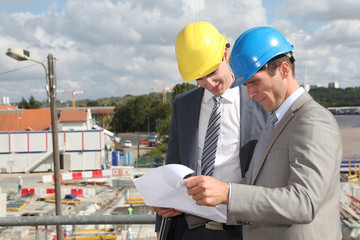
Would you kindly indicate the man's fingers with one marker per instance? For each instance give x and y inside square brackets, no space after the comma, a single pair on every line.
[166,212]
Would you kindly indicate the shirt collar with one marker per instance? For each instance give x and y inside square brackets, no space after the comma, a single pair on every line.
[228,96]
[280,112]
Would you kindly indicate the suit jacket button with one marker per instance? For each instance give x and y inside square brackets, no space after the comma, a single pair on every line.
[239,222]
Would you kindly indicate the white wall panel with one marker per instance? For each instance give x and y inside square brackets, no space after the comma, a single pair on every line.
[4,142]
[73,141]
[29,147]
[19,142]
[92,140]
[37,141]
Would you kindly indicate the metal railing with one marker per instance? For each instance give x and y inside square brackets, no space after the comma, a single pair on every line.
[74,220]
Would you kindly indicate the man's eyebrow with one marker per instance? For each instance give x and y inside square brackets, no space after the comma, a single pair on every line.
[207,75]
[249,81]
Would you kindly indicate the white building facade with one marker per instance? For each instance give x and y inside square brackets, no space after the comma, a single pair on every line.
[32,151]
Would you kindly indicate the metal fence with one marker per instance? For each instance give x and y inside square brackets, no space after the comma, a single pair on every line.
[36,221]
[149,162]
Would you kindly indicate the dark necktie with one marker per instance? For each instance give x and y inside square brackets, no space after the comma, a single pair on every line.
[265,135]
[211,139]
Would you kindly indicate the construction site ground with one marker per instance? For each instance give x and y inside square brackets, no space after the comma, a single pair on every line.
[106,201]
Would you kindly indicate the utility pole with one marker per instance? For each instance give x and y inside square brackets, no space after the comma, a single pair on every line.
[138,147]
[148,124]
[55,140]
[24,55]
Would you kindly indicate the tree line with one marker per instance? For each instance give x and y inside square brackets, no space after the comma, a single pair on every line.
[147,112]
[336,97]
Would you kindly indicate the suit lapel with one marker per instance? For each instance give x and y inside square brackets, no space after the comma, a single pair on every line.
[277,131]
[191,115]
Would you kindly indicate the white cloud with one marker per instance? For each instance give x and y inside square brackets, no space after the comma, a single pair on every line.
[332,66]
[104,46]
[321,10]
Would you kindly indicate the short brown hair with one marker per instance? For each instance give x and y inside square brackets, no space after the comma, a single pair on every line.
[275,62]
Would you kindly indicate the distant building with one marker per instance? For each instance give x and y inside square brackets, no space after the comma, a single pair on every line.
[306,87]
[7,107]
[315,86]
[6,101]
[25,120]
[75,119]
[26,141]
[334,85]
[96,112]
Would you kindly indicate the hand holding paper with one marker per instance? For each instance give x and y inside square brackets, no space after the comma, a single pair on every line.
[207,191]
[164,187]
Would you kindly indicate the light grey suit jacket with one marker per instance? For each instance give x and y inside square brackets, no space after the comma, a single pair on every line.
[296,188]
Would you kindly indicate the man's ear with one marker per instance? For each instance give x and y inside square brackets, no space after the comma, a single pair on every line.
[226,55]
[284,69]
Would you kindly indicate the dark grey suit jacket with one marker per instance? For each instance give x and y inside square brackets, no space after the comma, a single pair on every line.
[183,142]
[182,147]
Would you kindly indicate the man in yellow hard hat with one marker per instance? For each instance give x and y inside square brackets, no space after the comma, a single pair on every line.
[214,129]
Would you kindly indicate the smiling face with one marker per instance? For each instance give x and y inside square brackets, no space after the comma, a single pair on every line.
[220,80]
[271,91]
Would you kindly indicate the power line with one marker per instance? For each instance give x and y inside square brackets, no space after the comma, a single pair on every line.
[17,69]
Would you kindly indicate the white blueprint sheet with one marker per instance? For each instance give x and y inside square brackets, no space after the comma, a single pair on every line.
[163,187]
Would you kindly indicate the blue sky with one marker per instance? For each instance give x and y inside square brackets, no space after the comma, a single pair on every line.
[34,6]
[103,46]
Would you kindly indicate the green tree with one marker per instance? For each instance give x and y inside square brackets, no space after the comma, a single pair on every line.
[165,128]
[182,87]
[336,97]
[23,104]
[32,104]
[137,112]
[92,103]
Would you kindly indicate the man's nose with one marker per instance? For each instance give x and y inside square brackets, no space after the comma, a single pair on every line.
[209,81]
[251,92]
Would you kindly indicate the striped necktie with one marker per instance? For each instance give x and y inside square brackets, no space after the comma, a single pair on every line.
[211,139]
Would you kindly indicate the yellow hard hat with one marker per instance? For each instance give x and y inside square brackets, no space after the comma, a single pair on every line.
[199,50]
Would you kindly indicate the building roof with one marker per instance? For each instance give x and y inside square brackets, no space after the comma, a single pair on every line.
[95,111]
[25,120]
[73,115]
[6,107]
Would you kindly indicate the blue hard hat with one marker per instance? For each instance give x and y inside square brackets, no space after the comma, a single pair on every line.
[253,49]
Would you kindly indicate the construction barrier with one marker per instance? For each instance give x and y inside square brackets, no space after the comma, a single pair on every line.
[78,175]
[116,171]
[79,192]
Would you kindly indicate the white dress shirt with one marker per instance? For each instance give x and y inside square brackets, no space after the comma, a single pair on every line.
[227,163]
[280,112]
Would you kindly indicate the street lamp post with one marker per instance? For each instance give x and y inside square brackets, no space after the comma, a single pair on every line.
[157,122]
[23,55]
[148,124]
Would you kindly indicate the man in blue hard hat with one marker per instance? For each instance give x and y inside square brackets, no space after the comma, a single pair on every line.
[292,186]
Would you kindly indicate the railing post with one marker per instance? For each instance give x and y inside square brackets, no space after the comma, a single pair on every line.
[46,232]
[37,232]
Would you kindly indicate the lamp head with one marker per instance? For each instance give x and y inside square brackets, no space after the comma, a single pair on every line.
[18,54]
